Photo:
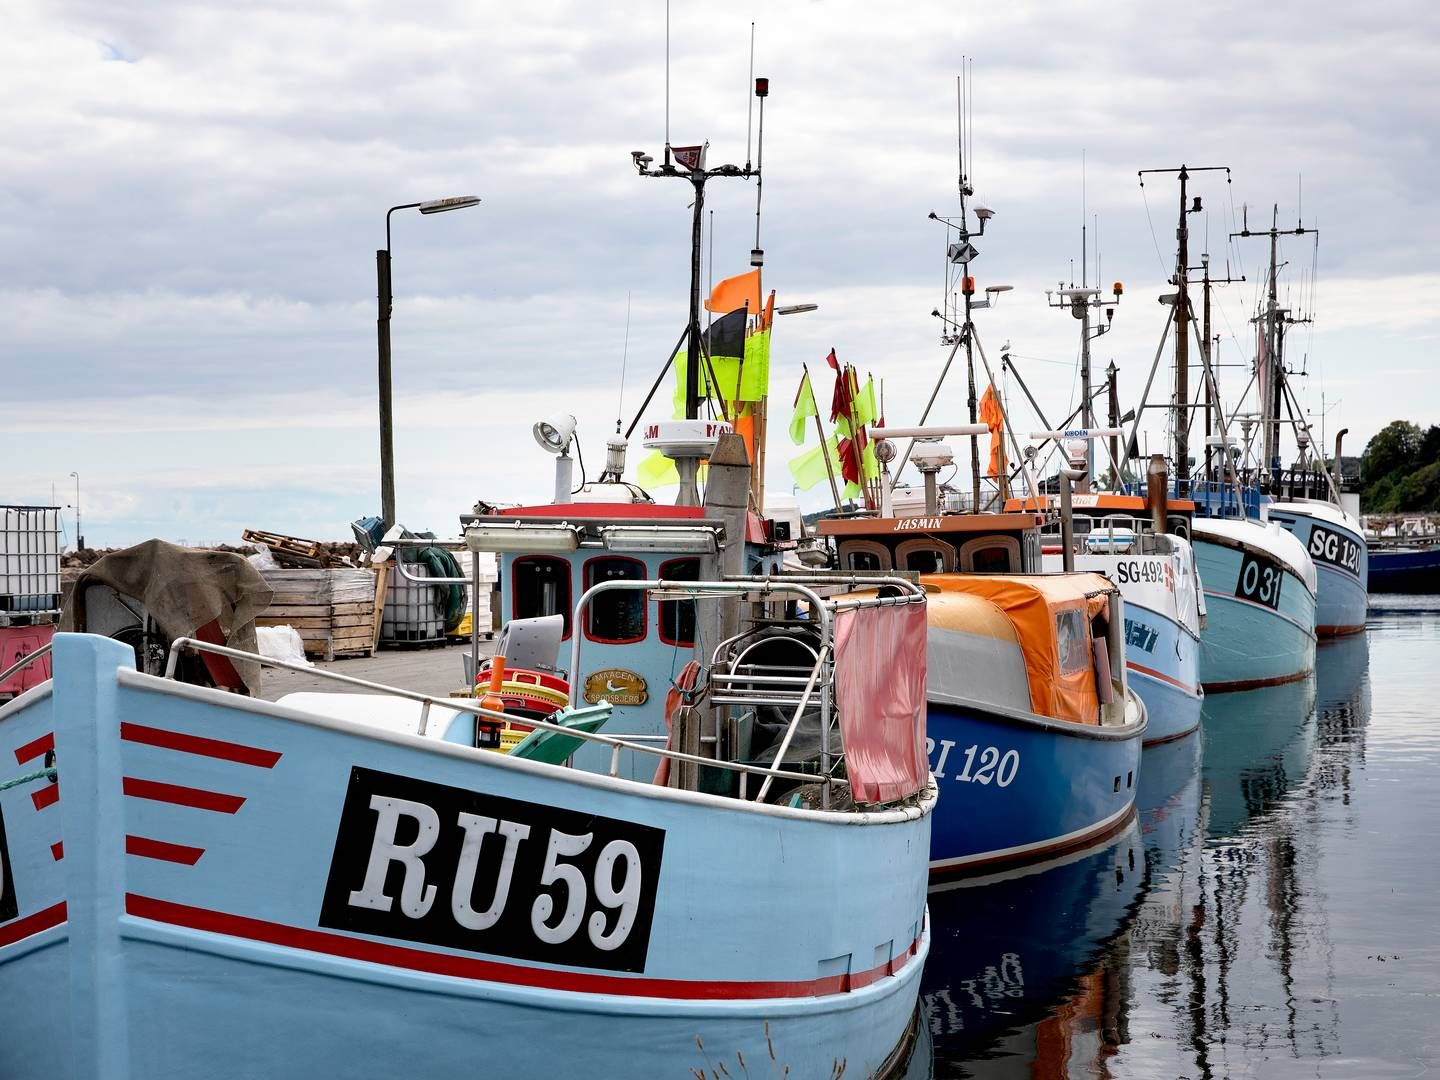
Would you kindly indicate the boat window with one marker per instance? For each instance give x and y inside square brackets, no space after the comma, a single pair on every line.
[677,617]
[990,555]
[1070,643]
[615,617]
[1118,521]
[541,586]
[926,556]
[1082,525]
[864,555]
[1051,528]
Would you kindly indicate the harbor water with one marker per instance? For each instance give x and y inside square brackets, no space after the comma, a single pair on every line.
[1274,910]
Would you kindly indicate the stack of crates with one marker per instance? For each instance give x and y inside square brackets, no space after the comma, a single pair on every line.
[29,590]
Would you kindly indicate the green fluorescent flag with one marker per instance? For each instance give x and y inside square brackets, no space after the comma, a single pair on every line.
[809,468]
[805,408]
[864,409]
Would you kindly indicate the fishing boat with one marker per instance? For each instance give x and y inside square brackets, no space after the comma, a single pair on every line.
[225,879]
[1403,567]
[1149,558]
[1032,733]
[1336,545]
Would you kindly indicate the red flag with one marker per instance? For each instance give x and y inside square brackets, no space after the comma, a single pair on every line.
[689,157]
[833,361]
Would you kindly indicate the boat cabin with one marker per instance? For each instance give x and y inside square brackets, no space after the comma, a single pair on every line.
[1007,543]
[1109,514]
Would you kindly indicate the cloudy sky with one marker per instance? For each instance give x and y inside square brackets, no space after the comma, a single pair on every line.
[191,196]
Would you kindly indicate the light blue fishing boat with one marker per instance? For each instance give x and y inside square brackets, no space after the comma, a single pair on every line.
[1260,604]
[1336,544]
[199,883]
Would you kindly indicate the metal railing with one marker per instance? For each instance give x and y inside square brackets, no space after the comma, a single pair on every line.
[617,744]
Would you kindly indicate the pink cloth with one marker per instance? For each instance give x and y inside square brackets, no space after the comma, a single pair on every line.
[880,690]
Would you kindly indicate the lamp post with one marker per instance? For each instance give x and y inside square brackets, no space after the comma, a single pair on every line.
[382,272]
[79,532]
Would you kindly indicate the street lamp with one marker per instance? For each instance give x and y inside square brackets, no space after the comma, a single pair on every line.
[382,270]
[79,533]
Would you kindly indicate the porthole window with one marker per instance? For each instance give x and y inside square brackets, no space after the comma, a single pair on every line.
[541,586]
[616,617]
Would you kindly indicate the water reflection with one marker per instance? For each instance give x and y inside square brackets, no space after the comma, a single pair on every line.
[1199,942]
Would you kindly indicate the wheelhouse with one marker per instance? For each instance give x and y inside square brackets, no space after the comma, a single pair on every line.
[1007,543]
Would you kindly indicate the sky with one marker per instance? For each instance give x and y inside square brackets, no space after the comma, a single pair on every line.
[191,197]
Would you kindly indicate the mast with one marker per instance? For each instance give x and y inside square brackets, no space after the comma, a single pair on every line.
[1270,369]
[1180,423]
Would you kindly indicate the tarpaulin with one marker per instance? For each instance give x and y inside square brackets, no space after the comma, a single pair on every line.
[1052,614]
[880,690]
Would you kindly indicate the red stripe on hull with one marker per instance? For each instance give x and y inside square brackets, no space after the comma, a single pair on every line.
[1193,691]
[1253,684]
[467,967]
[182,796]
[33,749]
[48,795]
[31,925]
[1338,631]
[198,744]
[162,850]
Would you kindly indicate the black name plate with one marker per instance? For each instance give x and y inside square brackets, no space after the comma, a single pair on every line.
[465,870]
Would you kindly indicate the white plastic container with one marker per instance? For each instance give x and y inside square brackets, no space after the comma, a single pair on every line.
[29,560]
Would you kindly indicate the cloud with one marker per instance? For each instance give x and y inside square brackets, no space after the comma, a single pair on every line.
[195,192]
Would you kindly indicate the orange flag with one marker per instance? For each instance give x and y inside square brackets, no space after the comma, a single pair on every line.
[993,417]
[735,292]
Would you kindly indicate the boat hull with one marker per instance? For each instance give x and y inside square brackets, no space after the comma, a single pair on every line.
[1342,568]
[290,933]
[1246,643]
[1163,661]
[1018,788]
[1405,570]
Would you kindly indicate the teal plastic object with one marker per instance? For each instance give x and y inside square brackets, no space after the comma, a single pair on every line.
[552,747]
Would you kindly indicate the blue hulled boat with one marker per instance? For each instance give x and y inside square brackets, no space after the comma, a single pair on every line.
[1033,735]
[1260,604]
[1335,543]
[200,883]
[1404,568]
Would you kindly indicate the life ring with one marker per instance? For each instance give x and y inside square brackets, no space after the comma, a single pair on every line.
[685,681]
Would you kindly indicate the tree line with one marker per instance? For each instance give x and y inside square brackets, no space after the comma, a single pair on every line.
[1400,470]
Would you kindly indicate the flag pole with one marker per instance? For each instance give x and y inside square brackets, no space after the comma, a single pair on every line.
[820,430]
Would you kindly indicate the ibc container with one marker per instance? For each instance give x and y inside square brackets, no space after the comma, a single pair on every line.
[414,613]
[29,560]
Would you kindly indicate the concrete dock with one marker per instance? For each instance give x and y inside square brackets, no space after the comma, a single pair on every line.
[433,671]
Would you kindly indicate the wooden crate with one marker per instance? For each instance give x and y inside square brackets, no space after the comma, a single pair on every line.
[335,612]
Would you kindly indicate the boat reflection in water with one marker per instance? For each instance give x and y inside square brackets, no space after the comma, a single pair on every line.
[1172,949]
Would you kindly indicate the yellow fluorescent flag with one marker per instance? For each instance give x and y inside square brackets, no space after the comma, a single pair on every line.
[864,410]
[805,408]
[809,468]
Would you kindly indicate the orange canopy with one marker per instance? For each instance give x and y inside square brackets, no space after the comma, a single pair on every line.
[1051,615]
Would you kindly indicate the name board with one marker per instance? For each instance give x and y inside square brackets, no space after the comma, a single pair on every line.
[1260,580]
[464,870]
[9,906]
[617,686]
[1335,549]
[906,523]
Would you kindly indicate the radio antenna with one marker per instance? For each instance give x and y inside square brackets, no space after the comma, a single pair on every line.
[667,82]
[749,101]
[624,356]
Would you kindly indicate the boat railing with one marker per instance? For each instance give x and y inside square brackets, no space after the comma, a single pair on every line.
[765,684]
[617,745]
[24,662]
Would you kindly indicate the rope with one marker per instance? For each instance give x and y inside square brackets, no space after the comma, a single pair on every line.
[29,778]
